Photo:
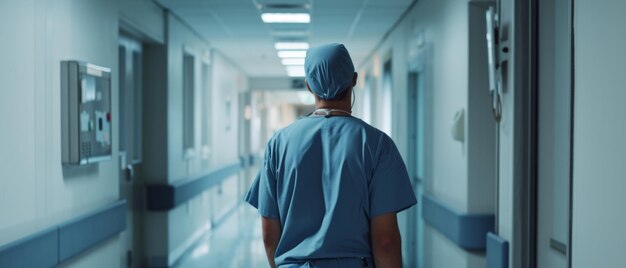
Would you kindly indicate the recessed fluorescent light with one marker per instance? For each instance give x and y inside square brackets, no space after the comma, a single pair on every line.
[286,17]
[293,61]
[295,71]
[284,6]
[295,74]
[290,33]
[295,68]
[292,54]
[291,45]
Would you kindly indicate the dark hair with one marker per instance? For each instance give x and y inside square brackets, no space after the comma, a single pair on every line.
[342,96]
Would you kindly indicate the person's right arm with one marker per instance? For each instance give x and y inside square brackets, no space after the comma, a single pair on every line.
[271,237]
[386,241]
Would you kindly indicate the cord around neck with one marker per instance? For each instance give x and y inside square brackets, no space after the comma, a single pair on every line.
[328,112]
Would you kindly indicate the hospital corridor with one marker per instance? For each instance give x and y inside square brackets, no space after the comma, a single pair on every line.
[313,133]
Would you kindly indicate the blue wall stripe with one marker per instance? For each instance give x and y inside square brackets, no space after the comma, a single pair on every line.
[168,196]
[87,231]
[190,189]
[497,251]
[37,250]
[468,231]
[254,159]
[52,246]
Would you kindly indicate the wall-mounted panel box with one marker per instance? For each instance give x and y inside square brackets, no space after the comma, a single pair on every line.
[85,113]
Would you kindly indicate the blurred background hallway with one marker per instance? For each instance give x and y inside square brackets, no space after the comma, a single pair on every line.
[131,129]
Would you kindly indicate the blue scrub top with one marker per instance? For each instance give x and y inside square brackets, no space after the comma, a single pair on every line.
[325,178]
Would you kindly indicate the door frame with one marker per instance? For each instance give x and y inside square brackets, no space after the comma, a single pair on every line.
[536,71]
[571,135]
[130,181]
[527,100]
[418,66]
[525,114]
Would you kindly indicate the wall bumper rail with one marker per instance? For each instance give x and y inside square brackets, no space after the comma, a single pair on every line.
[254,159]
[53,246]
[468,231]
[497,251]
[164,197]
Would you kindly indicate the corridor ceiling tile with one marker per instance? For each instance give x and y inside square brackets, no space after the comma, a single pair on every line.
[235,28]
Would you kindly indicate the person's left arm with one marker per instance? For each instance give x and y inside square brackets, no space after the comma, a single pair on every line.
[271,236]
[268,204]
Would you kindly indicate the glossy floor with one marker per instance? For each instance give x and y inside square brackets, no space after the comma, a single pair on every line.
[236,242]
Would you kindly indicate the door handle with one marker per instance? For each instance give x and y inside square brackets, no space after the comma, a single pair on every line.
[558,246]
[129,172]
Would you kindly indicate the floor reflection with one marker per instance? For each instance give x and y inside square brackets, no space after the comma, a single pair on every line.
[236,242]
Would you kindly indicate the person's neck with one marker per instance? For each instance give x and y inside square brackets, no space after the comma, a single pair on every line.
[337,105]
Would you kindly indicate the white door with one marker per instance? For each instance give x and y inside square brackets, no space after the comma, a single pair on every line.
[130,145]
[416,165]
[554,150]
[386,106]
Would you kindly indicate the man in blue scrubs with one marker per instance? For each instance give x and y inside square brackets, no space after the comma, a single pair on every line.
[331,185]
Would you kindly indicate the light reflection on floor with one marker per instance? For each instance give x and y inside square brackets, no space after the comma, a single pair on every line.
[236,242]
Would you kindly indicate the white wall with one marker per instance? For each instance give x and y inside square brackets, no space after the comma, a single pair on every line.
[480,123]
[228,81]
[170,234]
[444,26]
[599,237]
[142,18]
[553,169]
[444,30]
[35,189]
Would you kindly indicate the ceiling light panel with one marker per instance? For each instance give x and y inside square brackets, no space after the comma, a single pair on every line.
[295,71]
[273,2]
[286,17]
[290,33]
[295,68]
[296,74]
[292,53]
[292,61]
[283,5]
[291,45]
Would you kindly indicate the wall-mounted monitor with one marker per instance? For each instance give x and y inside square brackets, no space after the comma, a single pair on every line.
[85,113]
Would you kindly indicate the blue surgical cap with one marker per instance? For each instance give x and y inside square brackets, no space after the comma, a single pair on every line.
[329,70]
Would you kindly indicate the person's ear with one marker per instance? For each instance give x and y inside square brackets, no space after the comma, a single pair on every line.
[355,78]
[309,88]
[311,91]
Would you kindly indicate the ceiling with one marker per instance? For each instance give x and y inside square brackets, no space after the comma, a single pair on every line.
[235,28]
